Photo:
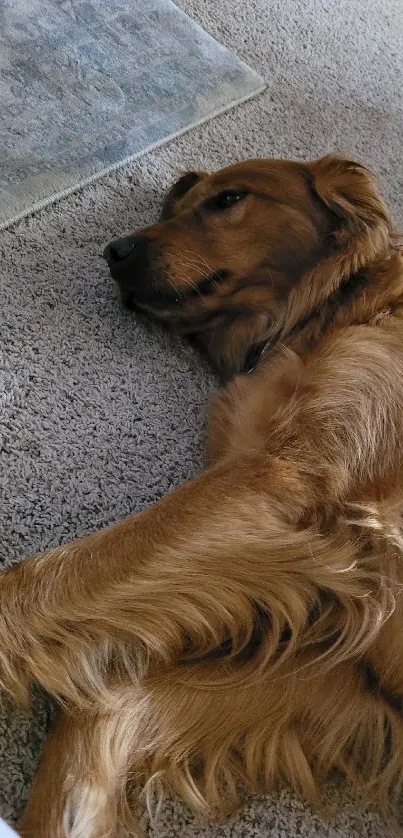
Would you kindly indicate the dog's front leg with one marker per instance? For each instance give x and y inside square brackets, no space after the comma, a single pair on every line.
[79,789]
[178,579]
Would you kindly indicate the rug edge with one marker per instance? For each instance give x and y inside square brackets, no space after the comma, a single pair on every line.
[64,193]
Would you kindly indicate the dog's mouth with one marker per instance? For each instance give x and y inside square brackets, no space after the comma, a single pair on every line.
[128,301]
[156,310]
[138,267]
[136,264]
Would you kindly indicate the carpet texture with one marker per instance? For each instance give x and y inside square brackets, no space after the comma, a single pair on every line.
[103,412]
[87,84]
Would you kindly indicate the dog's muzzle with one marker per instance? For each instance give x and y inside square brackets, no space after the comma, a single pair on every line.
[136,265]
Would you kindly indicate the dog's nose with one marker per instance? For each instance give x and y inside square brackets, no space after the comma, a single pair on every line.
[120,249]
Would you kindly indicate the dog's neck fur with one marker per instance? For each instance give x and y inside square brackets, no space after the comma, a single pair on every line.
[316,322]
[365,296]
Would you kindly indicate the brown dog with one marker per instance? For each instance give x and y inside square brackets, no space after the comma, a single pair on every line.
[247,631]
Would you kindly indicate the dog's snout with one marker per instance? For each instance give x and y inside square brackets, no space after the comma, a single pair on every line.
[135,263]
[120,249]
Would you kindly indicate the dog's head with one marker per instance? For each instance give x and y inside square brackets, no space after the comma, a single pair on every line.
[233,249]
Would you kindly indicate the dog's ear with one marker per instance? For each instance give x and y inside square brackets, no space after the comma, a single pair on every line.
[348,190]
[360,232]
[177,191]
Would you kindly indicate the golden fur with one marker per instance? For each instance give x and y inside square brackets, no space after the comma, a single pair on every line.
[245,632]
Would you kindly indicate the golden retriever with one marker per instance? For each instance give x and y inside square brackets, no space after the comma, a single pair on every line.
[247,631]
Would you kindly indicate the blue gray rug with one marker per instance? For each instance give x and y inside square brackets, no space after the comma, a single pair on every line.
[86,85]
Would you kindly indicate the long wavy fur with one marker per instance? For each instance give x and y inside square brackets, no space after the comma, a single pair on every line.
[245,632]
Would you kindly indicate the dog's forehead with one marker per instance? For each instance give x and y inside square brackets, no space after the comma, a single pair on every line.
[259,175]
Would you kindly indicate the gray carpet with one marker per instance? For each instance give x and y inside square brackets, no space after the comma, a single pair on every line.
[102,412]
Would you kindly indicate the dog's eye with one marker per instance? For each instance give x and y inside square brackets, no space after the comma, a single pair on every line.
[225,200]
